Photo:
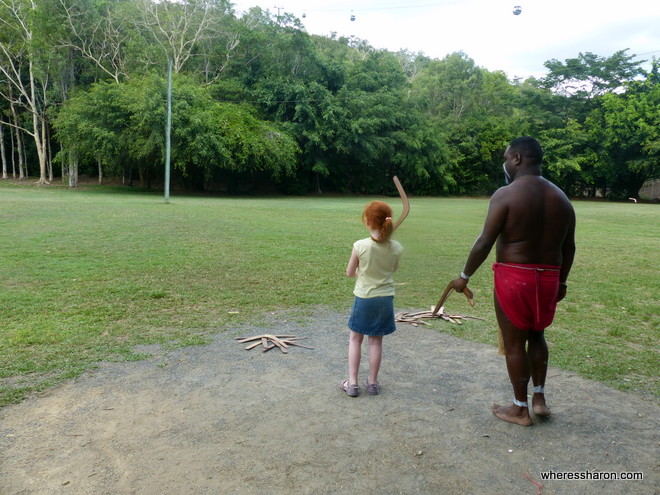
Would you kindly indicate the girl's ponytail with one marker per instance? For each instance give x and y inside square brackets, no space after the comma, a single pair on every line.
[386,229]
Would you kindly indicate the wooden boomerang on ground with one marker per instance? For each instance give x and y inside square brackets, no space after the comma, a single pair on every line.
[445,295]
[404,199]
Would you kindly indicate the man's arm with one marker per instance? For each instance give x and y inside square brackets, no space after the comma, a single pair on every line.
[493,225]
[568,255]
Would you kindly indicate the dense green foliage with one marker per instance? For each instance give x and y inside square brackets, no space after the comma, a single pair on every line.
[259,103]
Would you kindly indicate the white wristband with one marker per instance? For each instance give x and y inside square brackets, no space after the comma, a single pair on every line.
[464,276]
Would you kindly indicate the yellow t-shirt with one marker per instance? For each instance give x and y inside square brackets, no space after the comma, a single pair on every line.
[377,263]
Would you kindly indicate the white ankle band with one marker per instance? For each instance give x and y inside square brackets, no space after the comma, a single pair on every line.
[519,404]
[539,389]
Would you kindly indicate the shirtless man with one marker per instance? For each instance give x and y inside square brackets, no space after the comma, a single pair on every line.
[533,223]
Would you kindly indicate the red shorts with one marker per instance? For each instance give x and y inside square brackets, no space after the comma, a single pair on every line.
[527,293]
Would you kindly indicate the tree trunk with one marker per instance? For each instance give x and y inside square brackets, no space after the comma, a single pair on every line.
[3,155]
[38,127]
[318,183]
[98,161]
[21,158]
[13,155]
[49,150]
[26,172]
[73,169]
[142,172]
[19,143]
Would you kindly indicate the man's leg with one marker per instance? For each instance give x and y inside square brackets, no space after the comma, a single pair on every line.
[538,363]
[517,364]
[354,355]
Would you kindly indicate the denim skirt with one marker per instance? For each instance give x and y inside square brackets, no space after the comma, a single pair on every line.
[372,316]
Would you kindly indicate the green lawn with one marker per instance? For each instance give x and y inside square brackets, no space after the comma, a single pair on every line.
[87,274]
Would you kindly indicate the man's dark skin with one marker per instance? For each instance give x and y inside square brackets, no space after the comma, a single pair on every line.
[533,222]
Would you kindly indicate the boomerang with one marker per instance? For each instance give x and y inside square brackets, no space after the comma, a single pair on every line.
[404,200]
[445,295]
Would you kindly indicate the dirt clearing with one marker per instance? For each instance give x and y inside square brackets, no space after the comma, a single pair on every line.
[218,419]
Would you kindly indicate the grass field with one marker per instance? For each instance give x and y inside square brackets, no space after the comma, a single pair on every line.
[87,274]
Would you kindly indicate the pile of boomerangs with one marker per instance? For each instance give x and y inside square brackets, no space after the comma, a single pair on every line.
[268,342]
[437,312]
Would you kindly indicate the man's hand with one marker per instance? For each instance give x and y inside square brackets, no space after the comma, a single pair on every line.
[562,292]
[458,284]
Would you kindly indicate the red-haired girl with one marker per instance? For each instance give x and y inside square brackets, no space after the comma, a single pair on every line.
[373,261]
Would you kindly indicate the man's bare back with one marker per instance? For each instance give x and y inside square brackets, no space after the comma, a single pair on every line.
[537,221]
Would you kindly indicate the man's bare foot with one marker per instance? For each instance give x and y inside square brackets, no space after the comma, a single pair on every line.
[513,414]
[539,407]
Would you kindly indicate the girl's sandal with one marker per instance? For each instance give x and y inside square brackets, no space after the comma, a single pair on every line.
[351,390]
[372,388]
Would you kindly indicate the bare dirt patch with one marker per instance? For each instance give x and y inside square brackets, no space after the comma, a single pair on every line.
[219,419]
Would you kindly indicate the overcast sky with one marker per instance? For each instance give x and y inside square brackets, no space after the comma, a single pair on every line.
[486,30]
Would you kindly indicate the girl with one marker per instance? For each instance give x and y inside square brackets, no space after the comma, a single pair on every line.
[373,261]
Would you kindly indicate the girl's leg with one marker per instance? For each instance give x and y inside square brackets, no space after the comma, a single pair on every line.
[375,355]
[354,354]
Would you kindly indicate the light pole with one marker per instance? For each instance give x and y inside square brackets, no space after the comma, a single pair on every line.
[168,128]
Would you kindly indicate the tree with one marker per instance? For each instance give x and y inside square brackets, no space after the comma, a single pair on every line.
[179,27]
[445,88]
[124,124]
[3,154]
[90,127]
[569,157]
[474,110]
[628,125]
[98,32]
[376,116]
[211,137]
[590,75]
[25,69]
